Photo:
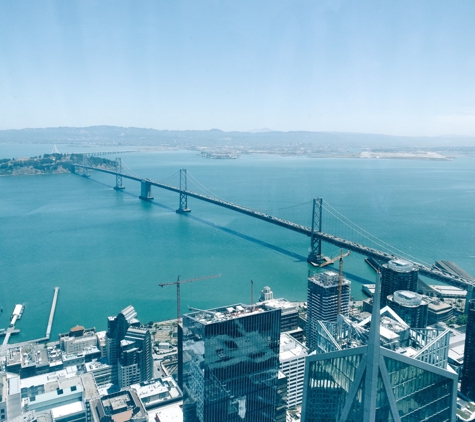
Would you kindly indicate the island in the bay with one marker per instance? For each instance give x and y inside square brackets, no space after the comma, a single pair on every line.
[49,164]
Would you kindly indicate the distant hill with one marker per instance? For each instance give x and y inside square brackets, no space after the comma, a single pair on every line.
[115,135]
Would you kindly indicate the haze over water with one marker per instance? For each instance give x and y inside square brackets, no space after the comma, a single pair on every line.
[107,249]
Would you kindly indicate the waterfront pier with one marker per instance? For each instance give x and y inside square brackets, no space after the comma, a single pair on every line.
[16,315]
[51,314]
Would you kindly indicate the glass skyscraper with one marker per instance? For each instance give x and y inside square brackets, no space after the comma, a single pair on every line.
[230,364]
[356,377]
[468,378]
[398,274]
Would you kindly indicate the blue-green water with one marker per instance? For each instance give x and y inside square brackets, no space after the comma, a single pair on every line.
[107,249]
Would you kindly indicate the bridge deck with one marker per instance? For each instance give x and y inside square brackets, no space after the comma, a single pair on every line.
[432,273]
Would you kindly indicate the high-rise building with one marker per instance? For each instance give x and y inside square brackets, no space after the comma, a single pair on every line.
[411,307]
[128,349]
[135,363]
[289,316]
[468,379]
[117,326]
[325,294]
[379,370]
[231,364]
[397,274]
[292,363]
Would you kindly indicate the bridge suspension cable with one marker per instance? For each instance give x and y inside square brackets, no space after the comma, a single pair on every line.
[194,181]
[367,235]
[128,170]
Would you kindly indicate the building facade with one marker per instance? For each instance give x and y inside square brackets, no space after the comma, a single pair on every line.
[411,307]
[292,358]
[397,274]
[128,349]
[325,294]
[231,364]
[360,375]
[468,378]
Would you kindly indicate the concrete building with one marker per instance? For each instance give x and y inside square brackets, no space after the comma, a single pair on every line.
[411,307]
[63,395]
[468,377]
[397,274]
[231,364]
[289,316]
[10,396]
[364,373]
[78,339]
[101,370]
[324,295]
[292,359]
[266,294]
[158,392]
[439,311]
[124,406]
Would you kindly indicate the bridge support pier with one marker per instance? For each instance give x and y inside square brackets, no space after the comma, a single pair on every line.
[183,204]
[118,175]
[146,190]
[315,257]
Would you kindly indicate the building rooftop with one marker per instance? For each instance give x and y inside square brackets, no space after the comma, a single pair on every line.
[157,392]
[400,265]
[212,316]
[291,348]
[328,279]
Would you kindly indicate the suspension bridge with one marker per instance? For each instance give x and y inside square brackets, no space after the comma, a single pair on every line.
[314,232]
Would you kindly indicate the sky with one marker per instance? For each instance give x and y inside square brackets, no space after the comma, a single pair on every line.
[396,67]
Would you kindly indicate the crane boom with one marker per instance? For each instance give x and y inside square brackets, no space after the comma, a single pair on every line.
[178,282]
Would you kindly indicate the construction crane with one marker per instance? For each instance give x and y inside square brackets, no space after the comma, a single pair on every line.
[178,282]
[340,278]
[329,261]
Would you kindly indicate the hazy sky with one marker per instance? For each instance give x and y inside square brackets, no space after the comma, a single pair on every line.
[383,66]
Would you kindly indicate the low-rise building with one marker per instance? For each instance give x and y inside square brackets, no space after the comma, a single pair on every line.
[158,392]
[123,405]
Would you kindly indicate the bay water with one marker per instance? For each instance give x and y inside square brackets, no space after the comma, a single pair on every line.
[107,249]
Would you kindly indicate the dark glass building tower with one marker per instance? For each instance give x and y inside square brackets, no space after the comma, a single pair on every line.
[411,307]
[396,275]
[468,379]
[231,364]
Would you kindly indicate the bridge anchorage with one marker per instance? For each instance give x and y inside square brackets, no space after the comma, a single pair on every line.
[183,204]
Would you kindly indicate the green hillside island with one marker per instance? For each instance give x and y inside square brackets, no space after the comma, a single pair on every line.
[49,164]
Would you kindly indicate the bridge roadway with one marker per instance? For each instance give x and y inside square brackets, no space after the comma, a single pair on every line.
[424,270]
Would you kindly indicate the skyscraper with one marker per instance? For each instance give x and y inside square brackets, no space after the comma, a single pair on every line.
[231,364]
[468,379]
[135,363]
[359,376]
[325,295]
[397,274]
[128,348]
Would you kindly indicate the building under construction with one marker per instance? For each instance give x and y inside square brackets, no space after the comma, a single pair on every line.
[328,296]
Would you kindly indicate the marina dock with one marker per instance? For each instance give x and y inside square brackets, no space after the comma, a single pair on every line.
[16,315]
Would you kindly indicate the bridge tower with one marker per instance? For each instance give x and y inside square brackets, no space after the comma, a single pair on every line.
[183,204]
[315,256]
[146,190]
[118,174]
